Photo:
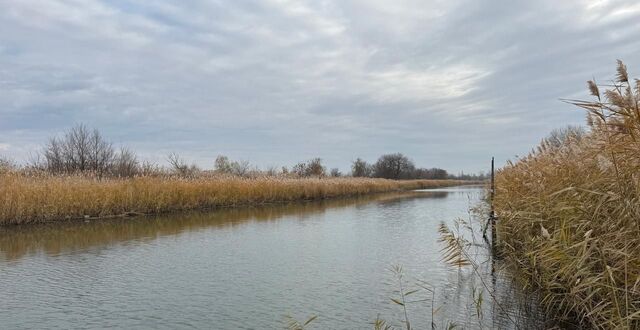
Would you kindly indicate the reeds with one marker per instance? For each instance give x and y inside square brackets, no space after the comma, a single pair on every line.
[569,213]
[28,199]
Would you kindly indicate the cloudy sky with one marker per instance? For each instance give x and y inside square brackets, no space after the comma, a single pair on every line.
[449,83]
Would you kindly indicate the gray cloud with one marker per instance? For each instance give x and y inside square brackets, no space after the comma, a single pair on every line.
[449,83]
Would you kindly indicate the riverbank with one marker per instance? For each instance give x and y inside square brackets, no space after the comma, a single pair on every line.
[27,199]
[249,267]
[569,215]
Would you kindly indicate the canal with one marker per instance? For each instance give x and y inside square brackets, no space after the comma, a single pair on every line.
[255,268]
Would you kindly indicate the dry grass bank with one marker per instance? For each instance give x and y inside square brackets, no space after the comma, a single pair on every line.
[28,199]
[569,213]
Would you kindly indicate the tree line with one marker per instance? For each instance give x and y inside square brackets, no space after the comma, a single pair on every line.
[84,150]
[399,167]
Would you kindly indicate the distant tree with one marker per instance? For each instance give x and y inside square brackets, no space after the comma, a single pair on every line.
[180,167]
[463,176]
[241,168]
[360,168]
[312,167]
[430,173]
[299,169]
[438,173]
[335,172]
[393,166]
[125,163]
[6,164]
[222,164]
[79,150]
[271,171]
[101,153]
[226,166]
[315,168]
[150,169]
[561,136]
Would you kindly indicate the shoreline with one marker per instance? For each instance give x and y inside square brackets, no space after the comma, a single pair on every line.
[68,199]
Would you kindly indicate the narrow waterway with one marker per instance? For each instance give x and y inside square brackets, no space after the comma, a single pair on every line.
[252,268]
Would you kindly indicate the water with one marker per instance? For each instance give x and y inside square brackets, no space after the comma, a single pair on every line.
[252,268]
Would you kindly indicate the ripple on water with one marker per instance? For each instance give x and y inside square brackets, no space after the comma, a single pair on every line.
[240,268]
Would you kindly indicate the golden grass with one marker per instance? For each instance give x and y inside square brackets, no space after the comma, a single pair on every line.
[569,215]
[54,237]
[28,199]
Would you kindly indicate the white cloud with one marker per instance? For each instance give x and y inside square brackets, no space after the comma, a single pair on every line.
[253,78]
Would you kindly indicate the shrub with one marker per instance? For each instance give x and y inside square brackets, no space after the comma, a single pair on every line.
[225,166]
[312,167]
[6,164]
[181,168]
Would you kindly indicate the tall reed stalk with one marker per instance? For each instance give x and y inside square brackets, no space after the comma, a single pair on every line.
[25,198]
[569,212]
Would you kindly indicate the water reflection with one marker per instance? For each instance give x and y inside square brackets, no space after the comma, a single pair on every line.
[504,303]
[55,238]
[246,268]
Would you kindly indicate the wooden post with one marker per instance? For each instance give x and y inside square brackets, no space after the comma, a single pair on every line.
[492,215]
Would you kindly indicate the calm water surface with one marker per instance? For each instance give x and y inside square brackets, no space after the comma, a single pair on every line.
[251,268]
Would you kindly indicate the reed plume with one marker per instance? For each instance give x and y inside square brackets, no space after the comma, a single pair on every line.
[570,213]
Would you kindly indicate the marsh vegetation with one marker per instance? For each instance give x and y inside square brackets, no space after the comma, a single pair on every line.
[28,199]
[251,266]
[80,174]
[569,212]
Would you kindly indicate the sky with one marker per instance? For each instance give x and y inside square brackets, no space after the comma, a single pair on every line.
[447,83]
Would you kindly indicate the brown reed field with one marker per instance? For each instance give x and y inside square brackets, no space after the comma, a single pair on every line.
[29,198]
[569,212]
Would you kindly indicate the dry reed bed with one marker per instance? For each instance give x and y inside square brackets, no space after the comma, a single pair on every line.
[569,214]
[27,199]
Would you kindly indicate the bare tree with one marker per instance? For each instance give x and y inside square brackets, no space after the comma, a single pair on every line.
[177,163]
[125,164]
[241,168]
[6,164]
[226,166]
[223,164]
[76,148]
[79,150]
[151,169]
[271,171]
[299,169]
[181,167]
[315,168]
[312,167]
[54,160]
[335,172]
[430,173]
[360,168]
[394,166]
[562,136]
[101,153]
